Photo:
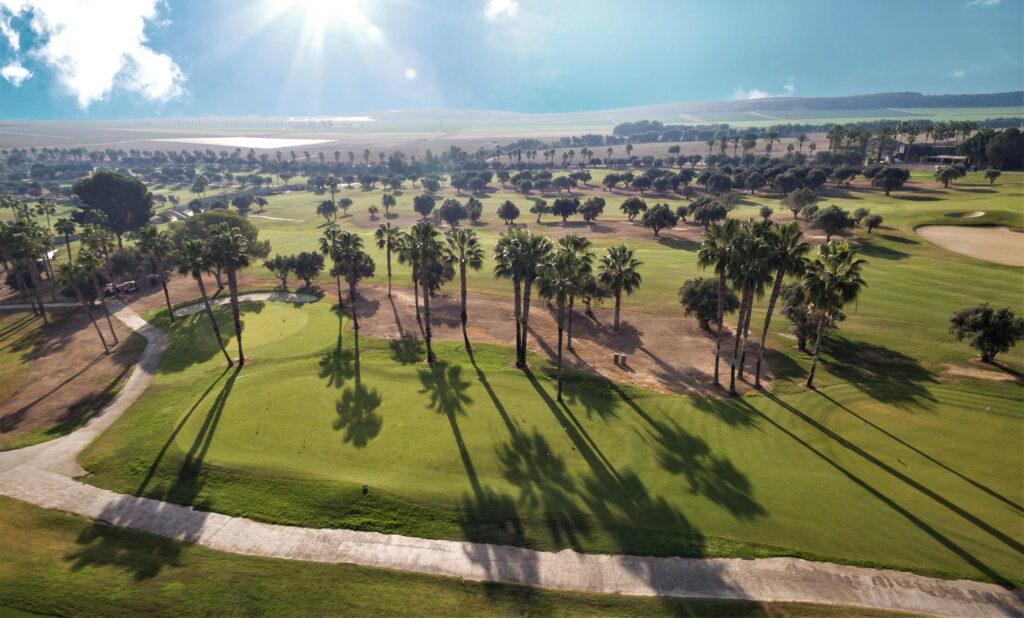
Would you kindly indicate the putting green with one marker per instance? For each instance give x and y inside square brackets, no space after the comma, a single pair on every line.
[906,474]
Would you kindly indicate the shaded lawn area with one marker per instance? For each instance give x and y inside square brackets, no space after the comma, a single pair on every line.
[904,473]
[54,563]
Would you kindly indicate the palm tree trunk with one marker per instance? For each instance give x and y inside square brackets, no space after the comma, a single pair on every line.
[103,303]
[746,331]
[568,343]
[721,316]
[49,273]
[561,321]
[618,303]
[213,320]
[67,243]
[817,348]
[337,281]
[737,336]
[163,283]
[776,289]
[217,277]
[426,318]
[352,299]
[88,312]
[462,276]
[416,291]
[37,283]
[22,289]
[526,320]
[233,291]
[517,293]
[389,269]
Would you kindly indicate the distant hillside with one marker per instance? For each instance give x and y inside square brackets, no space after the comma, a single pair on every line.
[883,100]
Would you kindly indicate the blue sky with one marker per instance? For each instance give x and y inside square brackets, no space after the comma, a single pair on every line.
[109,59]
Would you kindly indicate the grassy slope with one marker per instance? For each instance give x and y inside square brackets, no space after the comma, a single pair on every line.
[52,563]
[615,469]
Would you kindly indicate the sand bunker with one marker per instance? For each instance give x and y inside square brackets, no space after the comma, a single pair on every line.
[995,244]
[246,142]
[966,215]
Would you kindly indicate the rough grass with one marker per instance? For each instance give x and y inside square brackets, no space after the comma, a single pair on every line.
[53,563]
[19,331]
[470,449]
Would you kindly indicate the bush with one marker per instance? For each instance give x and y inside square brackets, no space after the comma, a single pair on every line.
[699,298]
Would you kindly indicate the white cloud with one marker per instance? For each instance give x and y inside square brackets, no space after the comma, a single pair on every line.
[94,46]
[500,8]
[15,73]
[983,2]
[958,73]
[739,94]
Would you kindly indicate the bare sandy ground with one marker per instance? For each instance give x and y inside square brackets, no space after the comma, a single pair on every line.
[994,244]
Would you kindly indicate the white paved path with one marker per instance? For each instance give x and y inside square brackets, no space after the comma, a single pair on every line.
[42,475]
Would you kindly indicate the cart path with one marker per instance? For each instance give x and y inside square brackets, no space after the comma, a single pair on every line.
[44,475]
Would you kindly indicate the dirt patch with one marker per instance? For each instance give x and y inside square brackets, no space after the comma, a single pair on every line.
[67,373]
[966,215]
[994,244]
[664,353]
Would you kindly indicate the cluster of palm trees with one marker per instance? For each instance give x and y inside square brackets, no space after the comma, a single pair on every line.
[756,256]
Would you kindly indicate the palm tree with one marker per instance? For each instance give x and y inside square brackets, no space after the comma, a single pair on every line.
[619,272]
[407,254]
[332,184]
[228,249]
[387,236]
[464,247]
[507,265]
[425,238]
[801,139]
[330,246]
[66,227]
[787,251]
[354,261]
[193,260]
[716,252]
[24,248]
[749,272]
[91,262]
[762,231]
[559,279]
[770,137]
[534,251]
[579,246]
[832,281]
[159,246]
[70,275]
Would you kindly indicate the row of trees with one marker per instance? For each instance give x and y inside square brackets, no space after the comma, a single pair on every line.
[755,256]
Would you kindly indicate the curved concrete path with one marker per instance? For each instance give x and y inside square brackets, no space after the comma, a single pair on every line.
[42,475]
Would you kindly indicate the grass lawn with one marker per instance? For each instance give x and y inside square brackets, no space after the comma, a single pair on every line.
[18,334]
[902,472]
[58,564]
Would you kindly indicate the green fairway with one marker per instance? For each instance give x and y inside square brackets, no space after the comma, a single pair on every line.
[57,564]
[18,334]
[897,473]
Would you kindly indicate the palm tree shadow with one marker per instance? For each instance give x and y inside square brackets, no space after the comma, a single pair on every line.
[881,373]
[357,407]
[406,349]
[938,536]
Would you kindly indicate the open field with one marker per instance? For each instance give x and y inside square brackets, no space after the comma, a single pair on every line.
[52,563]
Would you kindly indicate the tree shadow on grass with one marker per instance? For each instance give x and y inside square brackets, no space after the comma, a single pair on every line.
[881,252]
[407,350]
[998,496]
[106,543]
[357,407]
[938,536]
[879,372]
[191,338]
